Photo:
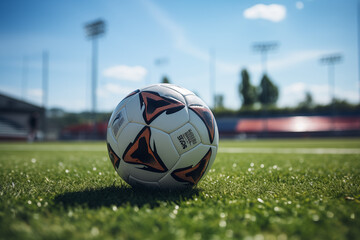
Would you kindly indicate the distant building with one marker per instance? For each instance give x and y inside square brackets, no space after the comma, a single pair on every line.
[20,120]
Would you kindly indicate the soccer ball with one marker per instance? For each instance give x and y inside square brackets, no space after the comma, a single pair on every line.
[162,136]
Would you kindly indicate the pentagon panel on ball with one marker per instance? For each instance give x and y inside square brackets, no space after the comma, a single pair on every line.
[162,136]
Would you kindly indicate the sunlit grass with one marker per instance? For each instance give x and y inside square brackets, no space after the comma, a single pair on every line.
[49,194]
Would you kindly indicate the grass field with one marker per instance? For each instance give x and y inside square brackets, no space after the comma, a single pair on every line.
[255,190]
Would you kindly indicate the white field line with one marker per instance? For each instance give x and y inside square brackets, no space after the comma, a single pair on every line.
[79,148]
[52,148]
[292,150]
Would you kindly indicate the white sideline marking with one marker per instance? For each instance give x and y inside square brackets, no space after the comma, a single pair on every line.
[27,148]
[292,150]
[75,148]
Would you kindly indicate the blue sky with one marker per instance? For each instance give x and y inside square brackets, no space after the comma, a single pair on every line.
[184,33]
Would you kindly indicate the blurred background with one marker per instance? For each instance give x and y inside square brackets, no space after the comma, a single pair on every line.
[266,68]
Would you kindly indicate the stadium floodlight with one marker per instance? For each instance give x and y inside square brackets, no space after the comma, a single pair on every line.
[94,30]
[358,42]
[45,77]
[45,86]
[264,48]
[331,60]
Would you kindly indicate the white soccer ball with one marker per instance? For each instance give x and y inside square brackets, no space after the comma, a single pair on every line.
[162,136]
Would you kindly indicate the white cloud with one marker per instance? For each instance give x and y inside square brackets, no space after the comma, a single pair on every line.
[34,95]
[110,94]
[35,92]
[123,72]
[70,104]
[272,12]
[10,91]
[113,89]
[292,94]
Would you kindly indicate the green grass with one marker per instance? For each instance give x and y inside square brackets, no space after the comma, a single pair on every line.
[53,191]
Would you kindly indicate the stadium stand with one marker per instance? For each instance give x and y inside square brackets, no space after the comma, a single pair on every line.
[15,117]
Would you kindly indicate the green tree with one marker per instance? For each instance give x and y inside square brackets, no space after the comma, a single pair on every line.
[268,92]
[307,102]
[246,90]
[165,79]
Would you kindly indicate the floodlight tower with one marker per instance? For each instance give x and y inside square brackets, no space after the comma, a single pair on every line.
[264,48]
[331,60]
[358,41]
[94,30]
[45,85]
[45,77]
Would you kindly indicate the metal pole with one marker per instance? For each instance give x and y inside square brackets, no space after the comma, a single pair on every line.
[358,32]
[94,30]
[264,58]
[24,78]
[331,60]
[266,93]
[45,82]
[332,94]
[263,48]
[331,77]
[94,78]
[45,77]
